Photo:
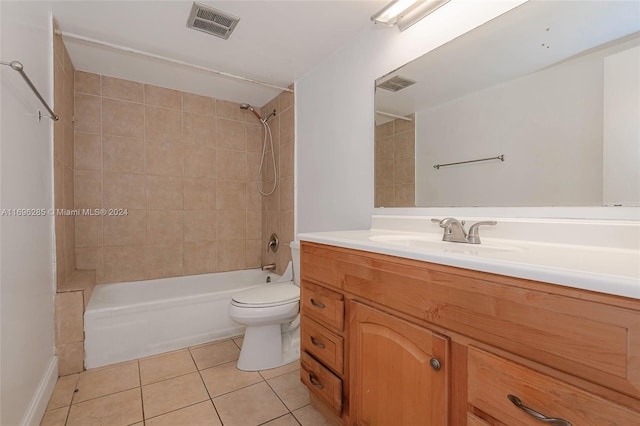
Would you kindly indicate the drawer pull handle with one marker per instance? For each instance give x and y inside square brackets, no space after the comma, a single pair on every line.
[318,304]
[549,420]
[316,343]
[314,382]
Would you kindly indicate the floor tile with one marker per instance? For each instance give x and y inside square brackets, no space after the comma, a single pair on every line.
[172,394]
[253,405]
[63,392]
[309,416]
[202,414]
[274,372]
[238,341]
[123,408]
[56,417]
[290,390]
[287,420]
[107,380]
[226,378]
[165,366]
[210,355]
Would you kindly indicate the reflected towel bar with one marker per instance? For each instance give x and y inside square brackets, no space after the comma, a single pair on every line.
[17,66]
[499,157]
[388,114]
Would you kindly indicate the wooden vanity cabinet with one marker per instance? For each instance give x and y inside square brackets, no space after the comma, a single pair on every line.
[563,352]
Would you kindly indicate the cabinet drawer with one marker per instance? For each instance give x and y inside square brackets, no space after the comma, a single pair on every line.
[492,378]
[324,305]
[473,420]
[322,382]
[324,345]
[319,264]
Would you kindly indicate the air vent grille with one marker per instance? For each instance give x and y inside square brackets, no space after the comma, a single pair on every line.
[211,21]
[396,83]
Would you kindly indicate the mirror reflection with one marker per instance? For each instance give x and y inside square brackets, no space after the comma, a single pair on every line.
[553,87]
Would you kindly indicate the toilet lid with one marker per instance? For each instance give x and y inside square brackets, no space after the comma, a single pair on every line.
[270,294]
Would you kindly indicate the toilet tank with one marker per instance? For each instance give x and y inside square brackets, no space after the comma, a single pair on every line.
[295,258]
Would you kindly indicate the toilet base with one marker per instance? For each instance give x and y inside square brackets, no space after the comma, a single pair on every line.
[265,347]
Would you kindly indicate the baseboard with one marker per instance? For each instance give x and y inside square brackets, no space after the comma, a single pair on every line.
[40,399]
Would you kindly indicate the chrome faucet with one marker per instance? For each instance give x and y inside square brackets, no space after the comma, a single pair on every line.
[454,230]
[269,267]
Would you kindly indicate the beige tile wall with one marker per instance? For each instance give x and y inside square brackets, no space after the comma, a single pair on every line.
[185,166]
[395,164]
[63,152]
[69,307]
[278,207]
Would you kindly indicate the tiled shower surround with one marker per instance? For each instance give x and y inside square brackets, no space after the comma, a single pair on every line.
[185,168]
[63,147]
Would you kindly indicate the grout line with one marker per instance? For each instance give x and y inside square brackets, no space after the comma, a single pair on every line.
[66,418]
[277,395]
[102,396]
[205,386]
[141,395]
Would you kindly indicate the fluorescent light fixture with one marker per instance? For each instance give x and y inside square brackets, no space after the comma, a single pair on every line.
[405,13]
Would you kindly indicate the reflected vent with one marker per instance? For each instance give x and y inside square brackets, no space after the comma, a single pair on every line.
[396,83]
[211,21]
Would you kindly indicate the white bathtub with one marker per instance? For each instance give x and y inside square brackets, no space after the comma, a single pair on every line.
[125,321]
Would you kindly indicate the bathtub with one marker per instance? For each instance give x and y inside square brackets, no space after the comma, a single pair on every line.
[125,321]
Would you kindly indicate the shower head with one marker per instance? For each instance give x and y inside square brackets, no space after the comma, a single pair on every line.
[250,108]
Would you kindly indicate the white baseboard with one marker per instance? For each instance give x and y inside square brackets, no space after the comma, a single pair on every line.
[40,399]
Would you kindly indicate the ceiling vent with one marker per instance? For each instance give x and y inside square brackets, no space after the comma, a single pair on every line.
[396,83]
[211,21]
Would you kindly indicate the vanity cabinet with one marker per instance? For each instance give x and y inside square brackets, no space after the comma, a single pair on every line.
[417,343]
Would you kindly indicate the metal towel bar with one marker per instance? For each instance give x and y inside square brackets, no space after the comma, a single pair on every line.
[499,157]
[17,66]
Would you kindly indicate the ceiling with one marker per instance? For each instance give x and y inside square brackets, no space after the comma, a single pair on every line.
[531,37]
[275,41]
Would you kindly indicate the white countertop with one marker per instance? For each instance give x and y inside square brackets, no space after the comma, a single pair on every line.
[608,270]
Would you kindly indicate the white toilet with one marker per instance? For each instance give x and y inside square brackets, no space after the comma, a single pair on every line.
[271,314]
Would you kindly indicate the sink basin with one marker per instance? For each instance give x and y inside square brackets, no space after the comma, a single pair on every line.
[434,242]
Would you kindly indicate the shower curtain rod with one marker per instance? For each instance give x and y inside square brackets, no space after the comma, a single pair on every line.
[17,66]
[165,59]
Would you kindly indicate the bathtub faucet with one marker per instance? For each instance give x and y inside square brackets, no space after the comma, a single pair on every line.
[269,267]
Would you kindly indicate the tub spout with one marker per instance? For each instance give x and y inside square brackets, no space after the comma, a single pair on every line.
[269,267]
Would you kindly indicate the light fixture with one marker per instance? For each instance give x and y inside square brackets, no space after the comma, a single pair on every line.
[405,13]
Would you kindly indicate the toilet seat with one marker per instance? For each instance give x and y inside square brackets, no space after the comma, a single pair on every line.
[270,295]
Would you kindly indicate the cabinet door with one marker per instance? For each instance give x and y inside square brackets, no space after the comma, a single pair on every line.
[393,381]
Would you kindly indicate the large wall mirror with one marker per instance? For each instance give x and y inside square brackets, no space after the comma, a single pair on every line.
[546,96]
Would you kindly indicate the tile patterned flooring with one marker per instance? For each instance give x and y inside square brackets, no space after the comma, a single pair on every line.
[196,386]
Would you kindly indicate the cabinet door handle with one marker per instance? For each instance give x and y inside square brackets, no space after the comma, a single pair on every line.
[316,343]
[314,382]
[318,304]
[549,420]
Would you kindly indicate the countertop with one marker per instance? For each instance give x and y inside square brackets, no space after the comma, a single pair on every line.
[607,270]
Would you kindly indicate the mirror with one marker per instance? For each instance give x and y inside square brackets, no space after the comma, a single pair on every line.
[547,96]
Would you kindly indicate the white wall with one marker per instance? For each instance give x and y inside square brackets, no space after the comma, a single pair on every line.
[334,113]
[622,128]
[27,362]
[547,124]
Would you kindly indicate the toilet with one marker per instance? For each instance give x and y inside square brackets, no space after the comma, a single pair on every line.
[271,315]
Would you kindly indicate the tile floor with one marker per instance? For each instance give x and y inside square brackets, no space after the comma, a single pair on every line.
[196,386]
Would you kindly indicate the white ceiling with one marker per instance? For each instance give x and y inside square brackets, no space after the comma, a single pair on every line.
[532,36]
[275,41]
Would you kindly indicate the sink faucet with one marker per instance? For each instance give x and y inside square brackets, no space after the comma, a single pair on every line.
[454,230]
